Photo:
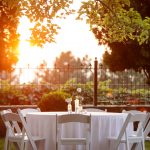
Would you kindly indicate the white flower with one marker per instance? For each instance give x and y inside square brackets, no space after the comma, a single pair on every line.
[79,90]
[68,100]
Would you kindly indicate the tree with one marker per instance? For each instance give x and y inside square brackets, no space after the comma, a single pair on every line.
[66,67]
[125,26]
[42,13]
[8,36]
[117,20]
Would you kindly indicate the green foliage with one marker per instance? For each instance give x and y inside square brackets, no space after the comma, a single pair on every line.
[54,101]
[9,38]
[68,67]
[50,98]
[11,95]
[41,13]
[104,86]
[116,19]
[86,90]
[124,25]
[87,93]
[142,92]
[65,67]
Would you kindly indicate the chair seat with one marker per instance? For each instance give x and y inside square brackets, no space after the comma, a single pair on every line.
[37,138]
[19,137]
[72,141]
[132,138]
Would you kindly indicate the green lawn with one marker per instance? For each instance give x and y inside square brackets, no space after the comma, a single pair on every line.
[147,144]
[1,143]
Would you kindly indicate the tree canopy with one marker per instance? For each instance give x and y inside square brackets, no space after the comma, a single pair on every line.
[117,20]
[9,38]
[42,13]
[125,26]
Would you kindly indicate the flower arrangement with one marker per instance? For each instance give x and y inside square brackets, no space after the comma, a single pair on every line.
[77,101]
[79,90]
[79,97]
[68,100]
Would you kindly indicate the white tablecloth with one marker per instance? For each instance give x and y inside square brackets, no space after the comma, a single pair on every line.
[103,124]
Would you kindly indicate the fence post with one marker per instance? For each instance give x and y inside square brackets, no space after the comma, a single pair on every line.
[95,82]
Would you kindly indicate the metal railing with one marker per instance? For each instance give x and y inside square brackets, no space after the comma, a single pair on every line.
[101,86]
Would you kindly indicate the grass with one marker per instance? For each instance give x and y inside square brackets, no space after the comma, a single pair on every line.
[147,144]
[1,143]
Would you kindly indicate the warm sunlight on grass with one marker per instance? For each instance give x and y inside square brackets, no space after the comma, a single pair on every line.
[2,140]
[147,145]
[1,143]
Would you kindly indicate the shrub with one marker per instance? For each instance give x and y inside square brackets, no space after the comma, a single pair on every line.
[54,101]
[12,96]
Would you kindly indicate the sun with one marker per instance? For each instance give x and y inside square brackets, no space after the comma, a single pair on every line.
[28,55]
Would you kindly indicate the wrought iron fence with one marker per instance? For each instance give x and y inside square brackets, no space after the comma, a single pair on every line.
[99,85]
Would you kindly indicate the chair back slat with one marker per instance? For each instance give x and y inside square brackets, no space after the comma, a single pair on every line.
[147,130]
[73,118]
[147,127]
[27,110]
[7,123]
[138,117]
[11,117]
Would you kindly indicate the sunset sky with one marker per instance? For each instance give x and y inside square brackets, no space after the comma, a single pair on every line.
[74,36]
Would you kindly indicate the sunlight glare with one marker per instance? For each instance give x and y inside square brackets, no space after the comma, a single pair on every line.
[74,36]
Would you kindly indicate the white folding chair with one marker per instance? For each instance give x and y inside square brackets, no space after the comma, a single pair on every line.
[12,129]
[95,110]
[25,111]
[146,125]
[130,138]
[74,118]
[12,136]
[23,139]
[147,130]
[33,140]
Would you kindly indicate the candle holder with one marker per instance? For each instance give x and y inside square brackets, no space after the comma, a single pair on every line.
[76,105]
[69,106]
